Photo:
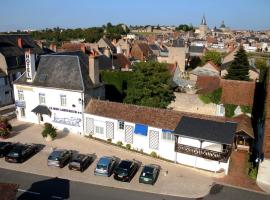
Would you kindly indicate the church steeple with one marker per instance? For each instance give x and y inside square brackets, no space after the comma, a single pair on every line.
[203,22]
[222,24]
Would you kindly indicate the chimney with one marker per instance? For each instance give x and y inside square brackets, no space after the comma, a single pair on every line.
[19,41]
[83,47]
[30,68]
[107,52]
[52,47]
[94,69]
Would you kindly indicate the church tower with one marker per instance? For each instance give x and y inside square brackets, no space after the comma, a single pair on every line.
[203,27]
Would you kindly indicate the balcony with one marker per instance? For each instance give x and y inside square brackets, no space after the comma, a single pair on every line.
[204,153]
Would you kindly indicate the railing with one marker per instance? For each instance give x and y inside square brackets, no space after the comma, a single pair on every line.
[203,153]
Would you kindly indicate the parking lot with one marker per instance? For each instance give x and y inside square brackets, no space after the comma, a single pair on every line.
[173,179]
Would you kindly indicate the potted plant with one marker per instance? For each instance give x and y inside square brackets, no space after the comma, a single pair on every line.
[49,132]
[5,128]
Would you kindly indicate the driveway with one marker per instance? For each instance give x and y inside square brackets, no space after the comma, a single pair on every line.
[174,179]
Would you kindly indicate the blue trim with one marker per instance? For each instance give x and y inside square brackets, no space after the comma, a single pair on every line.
[167,131]
[141,129]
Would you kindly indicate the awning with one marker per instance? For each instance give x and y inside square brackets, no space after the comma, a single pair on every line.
[141,129]
[167,131]
[44,110]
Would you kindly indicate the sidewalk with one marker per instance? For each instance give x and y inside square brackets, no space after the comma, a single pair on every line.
[180,180]
[237,174]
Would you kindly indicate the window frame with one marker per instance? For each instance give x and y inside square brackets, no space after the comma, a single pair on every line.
[99,130]
[121,125]
[20,95]
[167,136]
[63,98]
[42,96]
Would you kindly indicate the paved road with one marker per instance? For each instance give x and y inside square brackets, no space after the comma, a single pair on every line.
[41,187]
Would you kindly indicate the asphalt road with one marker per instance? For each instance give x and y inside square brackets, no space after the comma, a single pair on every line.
[34,187]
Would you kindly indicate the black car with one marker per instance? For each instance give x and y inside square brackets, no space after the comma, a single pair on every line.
[149,174]
[21,152]
[59,158]
[80,162]
[5,147]
[126,170]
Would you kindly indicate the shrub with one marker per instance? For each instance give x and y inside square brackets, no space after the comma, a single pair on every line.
[119,143]
[229,110]
[153,154]
[246,109]
[5,127]
[109,140]
[128,146]
[213,97]
[49,130]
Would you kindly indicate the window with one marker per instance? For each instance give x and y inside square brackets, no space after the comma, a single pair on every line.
[42,99]
[20,95]
[167,136]
[22,112]
[121,125]
[99,130]
[63,99]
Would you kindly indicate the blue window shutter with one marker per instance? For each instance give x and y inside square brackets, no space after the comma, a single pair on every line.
[141,129]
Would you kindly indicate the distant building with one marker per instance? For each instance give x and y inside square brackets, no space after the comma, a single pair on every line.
[12,62]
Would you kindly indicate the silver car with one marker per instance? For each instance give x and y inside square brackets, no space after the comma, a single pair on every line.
[105,166]
[59,158]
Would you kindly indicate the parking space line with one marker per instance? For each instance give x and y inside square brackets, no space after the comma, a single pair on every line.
[27,191]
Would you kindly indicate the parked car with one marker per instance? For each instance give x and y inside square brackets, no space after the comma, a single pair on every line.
[59,158]
[149,174]
[5,147]
[126,170]
[105,166]
[21,152]
[80,162]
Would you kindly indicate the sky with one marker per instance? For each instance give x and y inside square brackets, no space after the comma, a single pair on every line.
[40,14]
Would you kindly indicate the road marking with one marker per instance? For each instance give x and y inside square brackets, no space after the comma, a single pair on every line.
[27,191]
[56,197]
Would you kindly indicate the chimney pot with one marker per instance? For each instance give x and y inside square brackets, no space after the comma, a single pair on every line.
[19,41]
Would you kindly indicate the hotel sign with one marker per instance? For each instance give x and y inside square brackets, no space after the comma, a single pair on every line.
[29,65]
[20,104]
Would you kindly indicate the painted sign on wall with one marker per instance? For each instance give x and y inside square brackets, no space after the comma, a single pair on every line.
[71,121]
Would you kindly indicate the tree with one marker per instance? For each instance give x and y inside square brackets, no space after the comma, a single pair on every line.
[184,27]
[239,69]
[151,85]
[213,56]
[262,66]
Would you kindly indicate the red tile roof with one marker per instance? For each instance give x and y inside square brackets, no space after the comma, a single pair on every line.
[244,124]
[237,92]
[8,191]
[207,84]
[155,117]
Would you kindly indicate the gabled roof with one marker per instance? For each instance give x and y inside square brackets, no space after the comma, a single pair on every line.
[67,70]
[207,84]
[244,124]
[220,132]
[237,92]
[9,45]
[121,61]
[155,117]
[196,49]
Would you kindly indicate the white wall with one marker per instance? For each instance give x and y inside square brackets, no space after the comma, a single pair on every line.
[52,98]
[166,147]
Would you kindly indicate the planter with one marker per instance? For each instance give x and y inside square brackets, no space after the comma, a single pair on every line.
[48,138]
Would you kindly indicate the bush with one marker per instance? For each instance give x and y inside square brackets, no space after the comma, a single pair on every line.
[119,143]
[5,127]
[153,154]
[246,109]
[229,110]
[49,130]
[128,146]
[109,140]
[213,97]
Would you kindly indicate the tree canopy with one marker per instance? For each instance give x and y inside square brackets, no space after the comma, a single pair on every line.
[239,69]
[213,56]
[184,27]
[151,85]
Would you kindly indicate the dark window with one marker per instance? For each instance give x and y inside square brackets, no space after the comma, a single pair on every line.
[6,92]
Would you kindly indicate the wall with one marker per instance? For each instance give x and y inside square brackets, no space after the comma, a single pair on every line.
[52,97]
[165,148]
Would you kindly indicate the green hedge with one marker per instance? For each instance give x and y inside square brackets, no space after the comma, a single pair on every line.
[246,109]
[213,97]
[229,110]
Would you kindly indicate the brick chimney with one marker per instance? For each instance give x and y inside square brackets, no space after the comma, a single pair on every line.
[83,47]
[30,68]
[94,69]
[19,42]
